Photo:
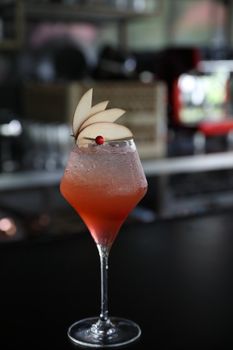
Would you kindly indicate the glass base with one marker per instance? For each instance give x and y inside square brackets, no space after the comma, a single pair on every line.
[94,333]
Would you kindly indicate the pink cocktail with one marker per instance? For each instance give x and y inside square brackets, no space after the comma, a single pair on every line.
[103,181]
[103,184]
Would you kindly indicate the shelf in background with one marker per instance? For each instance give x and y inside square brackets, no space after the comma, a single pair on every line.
[152,167]
[29,179]
[81,13]
[189,164]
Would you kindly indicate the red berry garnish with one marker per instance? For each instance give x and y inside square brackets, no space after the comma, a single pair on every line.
[99,140]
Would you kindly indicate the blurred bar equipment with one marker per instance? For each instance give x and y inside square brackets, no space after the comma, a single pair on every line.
[10,141]
[49,145]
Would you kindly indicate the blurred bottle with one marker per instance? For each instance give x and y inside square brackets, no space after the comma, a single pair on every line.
[115,64]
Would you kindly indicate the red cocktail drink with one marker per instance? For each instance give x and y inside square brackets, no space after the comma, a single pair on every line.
[103,183]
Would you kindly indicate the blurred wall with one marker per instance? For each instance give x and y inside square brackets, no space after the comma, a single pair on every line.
[178,22]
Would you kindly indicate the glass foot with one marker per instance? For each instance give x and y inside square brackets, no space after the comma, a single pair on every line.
[91,332]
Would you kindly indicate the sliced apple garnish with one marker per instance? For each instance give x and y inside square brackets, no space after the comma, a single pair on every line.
[82,110]
[108,131]
[99,107]
[108,116]
[89,122]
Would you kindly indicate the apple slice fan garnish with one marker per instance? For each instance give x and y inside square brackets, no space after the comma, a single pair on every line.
[97,123]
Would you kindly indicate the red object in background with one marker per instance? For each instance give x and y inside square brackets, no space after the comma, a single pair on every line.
[176,103]
[207,128]
[178,61]
[196,56]
[216,128]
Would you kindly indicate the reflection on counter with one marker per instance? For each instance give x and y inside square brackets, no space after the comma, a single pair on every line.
[29,213]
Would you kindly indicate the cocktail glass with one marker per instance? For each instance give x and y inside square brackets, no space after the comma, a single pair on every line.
[103,183]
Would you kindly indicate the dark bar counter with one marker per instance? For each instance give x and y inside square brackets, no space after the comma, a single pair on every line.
[173,277]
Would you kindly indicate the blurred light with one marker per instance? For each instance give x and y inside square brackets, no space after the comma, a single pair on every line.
[13,128]
[139,5]
[146,77]
[187,83]
[7,226]
[198,96]
[45,70]
[130,65]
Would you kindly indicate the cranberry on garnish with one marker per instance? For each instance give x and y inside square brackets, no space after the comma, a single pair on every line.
[99,140]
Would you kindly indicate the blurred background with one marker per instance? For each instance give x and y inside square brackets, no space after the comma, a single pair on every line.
[169,63]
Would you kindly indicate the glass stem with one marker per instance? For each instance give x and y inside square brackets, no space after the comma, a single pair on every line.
[104,253]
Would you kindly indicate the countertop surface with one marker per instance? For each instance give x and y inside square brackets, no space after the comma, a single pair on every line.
[172,277]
